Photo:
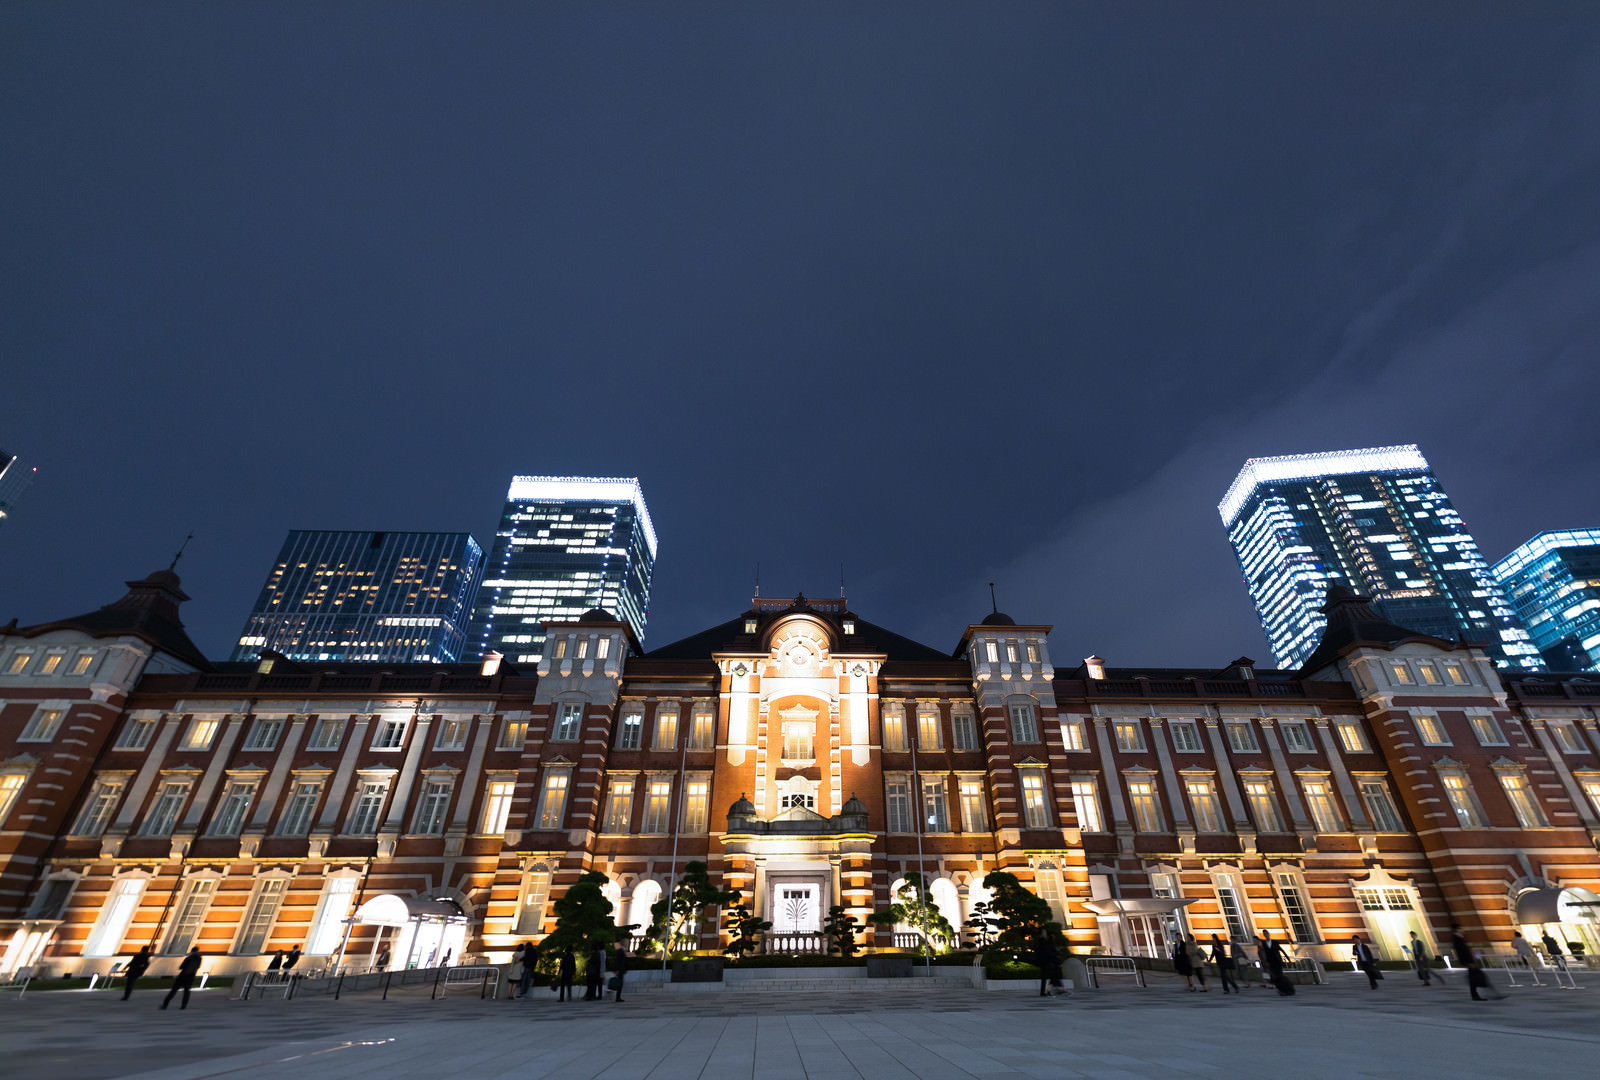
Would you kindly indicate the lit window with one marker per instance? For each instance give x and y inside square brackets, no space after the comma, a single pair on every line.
[1430,730]
[19,663]
[51,663]
[1401,673]
[1520,794]
[264,733]
[296,819]
[1074,733]
[1023,728]
[703,731]
[327,928]
[1086,806]
[163,813]
[696,806]
[602,648]
[1297,737]
[512,734]
[453,732]
[1034,811]
[115,916]
[619,806]
[391,735]
[1487,729]
[1568,737]
[1234,913]
[973,817]
[666,729]
[1428,673]
[136,736]
[431,808]
[1591,788]
[1129,735]
[963,731]
[1351,737]
[96,813]
[11,784]
[1263,806]
[1455,674]
[631,732]
[1185,736]
[1242,738]
[42,727]
[1146,806]
[1207,809]
[229,817]
[1324,809]
[1011,653]
[1385,818]
[658,799]
[928,731]
[553,801]
[1301,925]
[363,820]
[497,798]
[561,648]
[992,652]
[1469,815]
[81,665]
[570,718]
[799,740]
[897,800]
[894,730]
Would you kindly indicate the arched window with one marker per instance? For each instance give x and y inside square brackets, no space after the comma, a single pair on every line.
[645,895]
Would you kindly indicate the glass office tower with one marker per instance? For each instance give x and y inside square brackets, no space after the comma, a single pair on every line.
[1553,583]
[389,597]
[1377,521]
[14,480]
[566,544]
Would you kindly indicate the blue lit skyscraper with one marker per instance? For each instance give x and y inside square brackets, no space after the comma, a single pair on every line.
[1553,582]
[1378,522]
[14,480]
[389,597]
[566,544]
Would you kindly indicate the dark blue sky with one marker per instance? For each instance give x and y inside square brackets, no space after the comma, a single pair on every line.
[949,294]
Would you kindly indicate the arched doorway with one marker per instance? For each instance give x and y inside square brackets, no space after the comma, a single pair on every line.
[426,931]
[1571,916]
[645,895]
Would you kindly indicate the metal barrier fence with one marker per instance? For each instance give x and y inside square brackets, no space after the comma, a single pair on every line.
[1559,972]
[1112,965]
[289,984]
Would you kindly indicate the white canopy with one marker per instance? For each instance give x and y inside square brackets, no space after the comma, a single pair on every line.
[392,910]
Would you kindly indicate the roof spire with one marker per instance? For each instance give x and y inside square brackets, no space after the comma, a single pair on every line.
[841,581]
[992,603]
[174,564]
[758,579]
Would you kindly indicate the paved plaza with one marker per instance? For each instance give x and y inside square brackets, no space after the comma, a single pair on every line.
[1343,1030]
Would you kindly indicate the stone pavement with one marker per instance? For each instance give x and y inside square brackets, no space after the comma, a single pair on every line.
[1343,1030]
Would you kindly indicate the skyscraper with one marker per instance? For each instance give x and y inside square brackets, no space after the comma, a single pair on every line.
[1377,521]
[1553,583]
[14,479]
[566,544]
[381,596]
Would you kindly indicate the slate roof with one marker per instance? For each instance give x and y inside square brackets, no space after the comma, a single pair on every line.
[1353,619]
[730,637]
[149,611]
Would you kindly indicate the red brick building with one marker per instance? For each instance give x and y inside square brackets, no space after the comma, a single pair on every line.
[809,757]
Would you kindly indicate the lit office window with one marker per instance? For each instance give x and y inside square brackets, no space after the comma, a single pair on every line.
[1263,806]
[974,818]
[1351,737]
[894,730]
[513,733]
[696,806]
[928,731]
[1430,730]
[619,806]
[1469,815]
[1086,805]
[1324,809]
[1487,729]
[1129,735]
[553,801]
[453,732]
[1146,806]
[1024,729]
[658,799]
[1034,810]
[703,731]
[1207,809]
[935,813]
[1520,794]
[666,729]
[497,798]
[1074,734]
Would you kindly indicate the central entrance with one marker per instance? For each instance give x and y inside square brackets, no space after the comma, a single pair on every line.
[796,910]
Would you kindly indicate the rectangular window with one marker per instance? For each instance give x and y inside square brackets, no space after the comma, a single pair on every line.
[553,801]
[963,732]
[296,819]
[1165,887]
[1034,810]
[262,913]
[583,648]
[82,664]
[1455,674]
[568,721]
[136,736]
[1023,727]
[696,806]
[1263,806]
[1401,673]
[928,731]
[1351,737]
[19,663]
[1242,738]
[602,648]
[51,663]
[1130,736]
[1302,927]
[561,648]
[164,812]
[453,732]
[115,917]
[42,727]
[1468,814]
[1591,788]
[1385,818]
[391,734]
[328,734]
[535,892]
[202,729]
[497,806]
[619,806]
[1429,675]
[974,819]
[363,820]
[1568,737]
[327,928]
[1487,729]
[1233,911]
[897,800]
[798,736]
[658,800]
[666,729]
[1146,806]
[1324,808]
[229,817]
[630,736]
[992,652]
[1430,730]
[1520,794]
[1207,809]
[1033,653]
[1297,737]
[894,730]
[513,733]
[431,808]
[935,812]
[703,732]
[1185,736]
[264,733]
[1086,806]
[196,899]
[96,814]
[10,788]
[1074,734]
[1011,652]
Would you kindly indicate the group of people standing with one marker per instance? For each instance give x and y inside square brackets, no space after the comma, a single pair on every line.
[525,960]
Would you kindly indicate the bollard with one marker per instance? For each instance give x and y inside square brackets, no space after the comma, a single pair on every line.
[387,975]
[339,986]
[438,971]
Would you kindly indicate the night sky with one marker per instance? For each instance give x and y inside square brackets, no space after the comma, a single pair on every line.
[947,294]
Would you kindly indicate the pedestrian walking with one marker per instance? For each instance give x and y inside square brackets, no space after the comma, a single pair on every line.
[622,968]
[1241,961]
[1552,949]
[514,973]
[1365,961]
[1272,962]
[1048,960]
[1197,962]
[594,975]
[1477,978]
[138,964]
[384,957]
[276,964]
[184,979]
[1525,954]
[530,963]
[1421,960]
[566,967]
[1225,963]
[1180,963]
[292,959]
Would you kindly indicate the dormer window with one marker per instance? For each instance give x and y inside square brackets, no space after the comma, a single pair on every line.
[750,626]
[264,666]
[491,663]
[993,652]
[1246,672]
[849,626]
[1094,667]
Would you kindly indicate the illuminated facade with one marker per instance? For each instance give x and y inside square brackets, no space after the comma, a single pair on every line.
[1553,582]
[1378,522]
[565,544]
[389,597]
[14,480]
[1398,782]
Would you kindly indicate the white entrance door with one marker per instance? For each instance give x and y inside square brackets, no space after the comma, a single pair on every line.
[796,910]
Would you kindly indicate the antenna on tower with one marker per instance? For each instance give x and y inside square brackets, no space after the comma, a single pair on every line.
[841,581]
[758,579]
[181,547]
[992,602]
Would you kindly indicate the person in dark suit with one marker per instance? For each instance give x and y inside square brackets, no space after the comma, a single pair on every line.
[595,974]
[622,966]
[276,964]
[292,959]
[1421,960]
[137,966]
[566,968]
[184,979]
[1223,958]
[1477,978]
[1365,961]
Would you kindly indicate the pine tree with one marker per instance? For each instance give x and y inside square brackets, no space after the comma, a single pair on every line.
[911,907]
[673,918]
[748,932]
[841,928]
[1020,916]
